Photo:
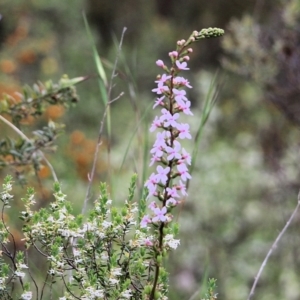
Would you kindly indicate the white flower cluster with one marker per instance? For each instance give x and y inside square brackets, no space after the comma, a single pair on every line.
[5,196]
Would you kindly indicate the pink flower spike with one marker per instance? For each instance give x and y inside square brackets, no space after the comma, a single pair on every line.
[145,221]
[184,131]
[181,66]
[160,63]
[159,214]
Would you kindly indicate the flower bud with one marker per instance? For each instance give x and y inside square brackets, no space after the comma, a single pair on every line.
[159,259]
[148,289]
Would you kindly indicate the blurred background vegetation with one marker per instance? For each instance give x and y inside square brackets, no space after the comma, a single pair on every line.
[246,180]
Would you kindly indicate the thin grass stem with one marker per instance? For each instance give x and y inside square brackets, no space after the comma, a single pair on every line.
[273,247]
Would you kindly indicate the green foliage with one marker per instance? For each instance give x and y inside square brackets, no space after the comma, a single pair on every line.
[33,102]
[211,287]
[102,252]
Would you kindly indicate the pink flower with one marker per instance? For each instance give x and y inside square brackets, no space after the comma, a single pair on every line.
[173,54]
[157,153]
[186,156]
[161,89]
[181,81]
[159,214]
[170,120]
[145,221]
[163,79]
[154,159]
[171,202]
[160,63]
[182,188]
[184,131]
[174,152]
[152,205]
[159,101]
[165,114]
[155,124]
[160,138]
[181,66]
[147,242]
[157,150]
[162,174]
[151,184]
[172,192]
[185,107]
[183,171]
[179,95]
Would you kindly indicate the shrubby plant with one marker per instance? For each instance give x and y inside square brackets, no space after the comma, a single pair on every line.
[106,253]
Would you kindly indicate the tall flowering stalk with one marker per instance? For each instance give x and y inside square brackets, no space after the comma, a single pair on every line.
[168,183]
[107,254]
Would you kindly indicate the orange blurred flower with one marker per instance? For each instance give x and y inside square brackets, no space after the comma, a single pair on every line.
[8,66]
[44,172]
[77,137]
[27,56]
[54,112]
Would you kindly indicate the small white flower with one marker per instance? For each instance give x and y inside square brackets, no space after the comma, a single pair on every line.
[98,293]
[106,224]
[26,296]
[126,294]
[76,252]
[104,256]
[50,219]
[20,274]
[113,281]
[116,272]
[87,227]
[171,242]
[51,272]
[22,266]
